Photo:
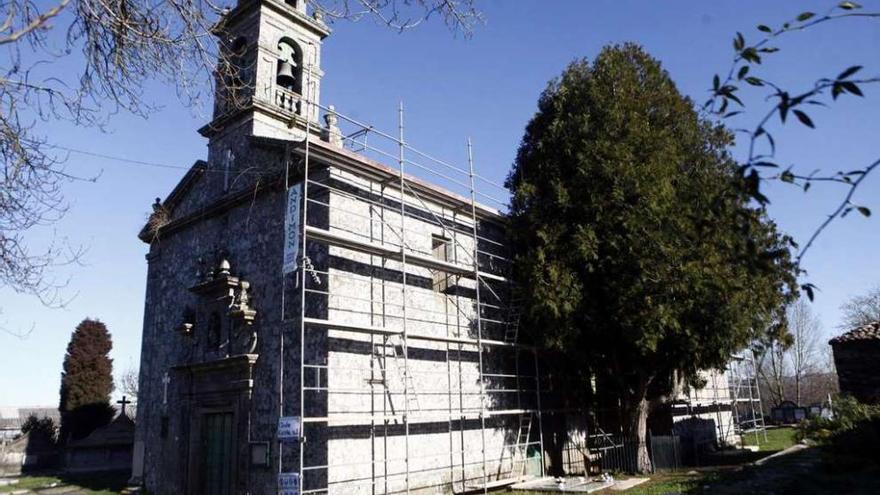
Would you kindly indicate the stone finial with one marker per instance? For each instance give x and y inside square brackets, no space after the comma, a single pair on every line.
[224,267]
[318,15]
[331,132]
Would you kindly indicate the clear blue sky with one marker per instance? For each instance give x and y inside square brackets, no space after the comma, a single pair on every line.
[485,87]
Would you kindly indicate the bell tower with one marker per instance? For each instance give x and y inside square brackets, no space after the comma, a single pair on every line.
[268,72]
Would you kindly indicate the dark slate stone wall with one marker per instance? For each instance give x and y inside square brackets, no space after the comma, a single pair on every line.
[250,236]
[858,369]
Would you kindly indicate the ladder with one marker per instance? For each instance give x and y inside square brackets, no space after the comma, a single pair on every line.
[389,349]
[523,434]
[511,329]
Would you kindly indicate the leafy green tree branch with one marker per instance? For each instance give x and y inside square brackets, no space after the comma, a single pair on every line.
[724,96]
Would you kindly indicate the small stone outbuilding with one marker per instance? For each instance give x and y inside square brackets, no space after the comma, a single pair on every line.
[857,358]
[108,448]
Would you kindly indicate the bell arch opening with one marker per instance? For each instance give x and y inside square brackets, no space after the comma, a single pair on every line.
[288,72]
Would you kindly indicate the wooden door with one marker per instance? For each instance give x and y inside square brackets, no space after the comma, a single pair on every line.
[216,454]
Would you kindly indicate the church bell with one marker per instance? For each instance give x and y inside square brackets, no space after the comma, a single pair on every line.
[285,77]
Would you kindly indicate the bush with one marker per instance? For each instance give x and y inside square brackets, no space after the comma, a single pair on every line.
[87,418]
[854,430]
[43,427]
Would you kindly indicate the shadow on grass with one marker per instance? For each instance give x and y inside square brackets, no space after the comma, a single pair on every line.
[113,481]
[811,471]
[839,473]
[734,457]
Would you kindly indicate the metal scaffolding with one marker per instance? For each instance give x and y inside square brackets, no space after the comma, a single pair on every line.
[392,388]
[733,398]
[748,410]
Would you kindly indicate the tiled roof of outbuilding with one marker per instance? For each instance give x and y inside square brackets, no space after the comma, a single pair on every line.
[871,331]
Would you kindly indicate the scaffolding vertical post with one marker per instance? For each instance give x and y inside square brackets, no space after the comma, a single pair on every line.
[733,393]
[758,397]
[752,407]
[455,333]
[477,281]
[400,161]
[538,400]
[281,330]
[303,266]
[720,428]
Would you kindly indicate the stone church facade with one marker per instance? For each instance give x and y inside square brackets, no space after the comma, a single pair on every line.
[290,276]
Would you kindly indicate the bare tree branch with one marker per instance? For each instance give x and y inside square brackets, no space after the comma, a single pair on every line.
[13,34]
[460,16]
[122,45]
[861,310]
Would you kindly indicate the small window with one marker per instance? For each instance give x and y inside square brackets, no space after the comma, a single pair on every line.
[441,248]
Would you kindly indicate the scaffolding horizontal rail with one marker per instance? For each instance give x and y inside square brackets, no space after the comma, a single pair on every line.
[395,254]
[370,329]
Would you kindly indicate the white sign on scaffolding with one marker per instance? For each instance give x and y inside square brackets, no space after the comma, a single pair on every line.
[288,484]
[288,428]
[291,229]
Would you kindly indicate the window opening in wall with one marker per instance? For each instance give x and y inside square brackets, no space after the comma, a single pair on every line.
[441,248]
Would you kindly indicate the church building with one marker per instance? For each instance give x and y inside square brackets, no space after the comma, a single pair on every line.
[322,316]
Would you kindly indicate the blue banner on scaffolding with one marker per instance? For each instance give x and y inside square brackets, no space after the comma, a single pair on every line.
[291,229]
[288,484]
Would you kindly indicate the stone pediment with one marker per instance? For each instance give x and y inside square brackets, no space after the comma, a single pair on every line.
[163,210]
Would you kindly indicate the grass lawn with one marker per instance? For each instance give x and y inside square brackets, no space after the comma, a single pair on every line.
[811,471]
[30,482]
[690,482]
[92,484]
[777,439]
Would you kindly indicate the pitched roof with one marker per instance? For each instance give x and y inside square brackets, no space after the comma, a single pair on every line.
[871,331]
[119,432]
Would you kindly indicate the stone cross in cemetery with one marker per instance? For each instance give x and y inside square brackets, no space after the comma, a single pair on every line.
[123,402]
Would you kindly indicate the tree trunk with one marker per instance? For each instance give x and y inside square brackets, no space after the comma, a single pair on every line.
[636,429]
[555,436]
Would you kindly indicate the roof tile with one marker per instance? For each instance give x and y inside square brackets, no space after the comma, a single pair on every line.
[871,331]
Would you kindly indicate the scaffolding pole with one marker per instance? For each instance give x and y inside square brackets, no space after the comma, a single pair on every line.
[394,323]
[310,109]
[406,377]
[470,154]
[540,420]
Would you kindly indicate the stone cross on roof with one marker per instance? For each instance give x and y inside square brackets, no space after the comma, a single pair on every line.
[124,401]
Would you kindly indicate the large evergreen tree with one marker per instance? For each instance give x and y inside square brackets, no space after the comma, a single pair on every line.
[86,381]
[641,257]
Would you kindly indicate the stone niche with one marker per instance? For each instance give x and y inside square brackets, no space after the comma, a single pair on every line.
[222,324]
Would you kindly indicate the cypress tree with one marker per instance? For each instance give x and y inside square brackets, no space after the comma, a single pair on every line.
[641,256]
[86,381]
